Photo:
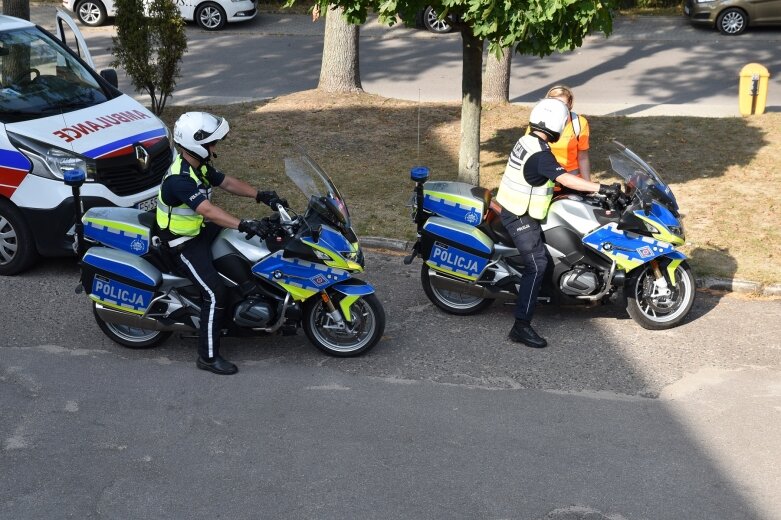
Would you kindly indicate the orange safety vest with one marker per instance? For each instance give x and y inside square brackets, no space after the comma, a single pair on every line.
[574,138]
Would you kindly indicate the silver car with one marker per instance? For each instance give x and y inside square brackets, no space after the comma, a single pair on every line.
[732,17]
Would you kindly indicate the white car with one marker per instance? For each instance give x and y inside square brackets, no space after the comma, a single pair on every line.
[211,15]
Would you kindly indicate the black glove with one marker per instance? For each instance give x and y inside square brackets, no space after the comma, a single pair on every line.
[611,191]
[260,227]
[270,198]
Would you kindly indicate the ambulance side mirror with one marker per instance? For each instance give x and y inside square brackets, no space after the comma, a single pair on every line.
[110,75]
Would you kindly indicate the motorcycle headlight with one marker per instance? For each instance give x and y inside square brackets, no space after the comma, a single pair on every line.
[650,228]
[676,230]
[49,161]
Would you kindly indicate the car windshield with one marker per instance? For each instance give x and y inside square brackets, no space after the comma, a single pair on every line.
[39,78]
[314,182]
[639,175]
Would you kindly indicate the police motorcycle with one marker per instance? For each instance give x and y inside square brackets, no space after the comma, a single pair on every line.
[621,248]
[300,275]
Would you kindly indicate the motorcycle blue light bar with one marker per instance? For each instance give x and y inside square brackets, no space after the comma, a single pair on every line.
[419,173]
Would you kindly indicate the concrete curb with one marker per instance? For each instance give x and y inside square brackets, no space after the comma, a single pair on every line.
[772,290]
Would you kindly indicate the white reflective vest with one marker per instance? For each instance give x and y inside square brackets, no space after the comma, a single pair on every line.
[515,194]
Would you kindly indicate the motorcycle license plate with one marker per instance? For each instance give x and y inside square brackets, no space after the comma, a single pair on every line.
[147,205]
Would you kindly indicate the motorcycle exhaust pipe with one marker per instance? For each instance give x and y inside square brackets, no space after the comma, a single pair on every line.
[450,284]
[132,320]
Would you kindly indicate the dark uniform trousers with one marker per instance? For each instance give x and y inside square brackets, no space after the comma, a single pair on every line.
[195,258]
[527,237]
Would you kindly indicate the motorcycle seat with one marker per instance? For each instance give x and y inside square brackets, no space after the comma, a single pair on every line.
[492,226]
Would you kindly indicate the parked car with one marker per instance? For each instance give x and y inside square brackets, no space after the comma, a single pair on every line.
[58,114]
[732,17]
[429,18]
[211,15]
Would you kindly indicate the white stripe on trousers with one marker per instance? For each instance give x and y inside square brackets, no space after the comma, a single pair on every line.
[211,307]
[536,273]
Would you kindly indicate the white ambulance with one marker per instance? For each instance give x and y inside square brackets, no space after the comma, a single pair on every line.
[58,114]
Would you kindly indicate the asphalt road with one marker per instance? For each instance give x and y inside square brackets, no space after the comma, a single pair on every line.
[445,418]
[648,65]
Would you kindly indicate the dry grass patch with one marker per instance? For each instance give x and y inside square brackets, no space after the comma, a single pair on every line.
[721,170]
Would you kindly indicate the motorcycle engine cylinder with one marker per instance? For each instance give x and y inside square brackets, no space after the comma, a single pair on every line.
[252,314]
[579,282]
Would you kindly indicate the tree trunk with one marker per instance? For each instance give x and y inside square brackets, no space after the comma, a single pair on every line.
[339,71]
[496,83]
[18,8]
[471,92]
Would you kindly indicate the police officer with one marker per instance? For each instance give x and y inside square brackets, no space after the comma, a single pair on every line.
[189,222]
[525,193]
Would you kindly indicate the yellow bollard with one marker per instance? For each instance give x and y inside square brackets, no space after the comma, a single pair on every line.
[752,90]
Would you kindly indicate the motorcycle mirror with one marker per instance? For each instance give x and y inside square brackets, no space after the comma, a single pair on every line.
[316,233]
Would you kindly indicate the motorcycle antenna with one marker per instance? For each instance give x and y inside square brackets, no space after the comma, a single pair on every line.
[418,157]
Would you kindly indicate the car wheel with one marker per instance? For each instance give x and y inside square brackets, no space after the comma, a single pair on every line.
[432,22]
[732,21]
[91,12]
[210,16]
[17,247]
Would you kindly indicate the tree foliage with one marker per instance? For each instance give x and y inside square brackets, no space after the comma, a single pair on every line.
[150,48]
[536,27]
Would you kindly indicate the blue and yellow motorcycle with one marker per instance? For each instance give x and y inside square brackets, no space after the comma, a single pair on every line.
[601,248]
[300,275]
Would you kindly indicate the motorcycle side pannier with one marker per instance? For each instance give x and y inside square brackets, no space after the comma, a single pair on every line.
[119,280]
[127,229]
[456,200]
[454,248]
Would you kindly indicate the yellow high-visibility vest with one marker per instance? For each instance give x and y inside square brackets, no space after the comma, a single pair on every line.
[515,194]
[182,220]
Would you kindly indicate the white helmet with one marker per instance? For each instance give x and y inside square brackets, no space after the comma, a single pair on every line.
[549,116]
[193,130]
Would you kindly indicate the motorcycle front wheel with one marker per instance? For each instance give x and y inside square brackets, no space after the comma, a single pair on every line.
[452,302]
[657,312]
[356,337]
[130,337]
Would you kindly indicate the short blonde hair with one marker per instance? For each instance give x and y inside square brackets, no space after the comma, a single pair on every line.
[561,91]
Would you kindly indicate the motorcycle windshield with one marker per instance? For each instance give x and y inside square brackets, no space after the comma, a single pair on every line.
[639,175]
[307,175]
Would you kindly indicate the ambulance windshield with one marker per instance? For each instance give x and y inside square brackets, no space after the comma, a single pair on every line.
[39,78]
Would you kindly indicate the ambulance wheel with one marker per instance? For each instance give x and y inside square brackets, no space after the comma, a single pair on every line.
[130,337]
[17,247]
[452,302]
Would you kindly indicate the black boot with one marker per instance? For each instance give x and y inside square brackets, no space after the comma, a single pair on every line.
[522,332]
[217,365]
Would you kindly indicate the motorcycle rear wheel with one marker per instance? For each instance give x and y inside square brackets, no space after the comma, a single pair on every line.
[130,337]
[659,313]
[357,338]
[452,302]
